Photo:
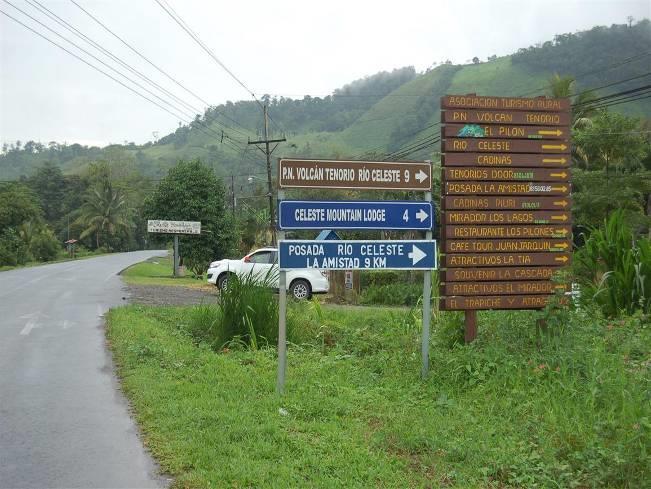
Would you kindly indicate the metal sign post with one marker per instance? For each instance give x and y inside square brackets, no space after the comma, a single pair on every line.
[282,316]
[427,309]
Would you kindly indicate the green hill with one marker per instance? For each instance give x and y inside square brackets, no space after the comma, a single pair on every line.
[377,115]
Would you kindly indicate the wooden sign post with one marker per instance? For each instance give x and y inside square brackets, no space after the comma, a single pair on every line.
[505,203]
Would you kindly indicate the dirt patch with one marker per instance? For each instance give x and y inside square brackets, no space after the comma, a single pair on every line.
[169,295]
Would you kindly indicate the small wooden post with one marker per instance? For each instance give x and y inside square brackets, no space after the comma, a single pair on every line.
[471,325]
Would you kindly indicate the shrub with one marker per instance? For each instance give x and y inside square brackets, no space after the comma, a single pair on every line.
[13,250]
[247,314]
[44,246]
[615,268]
[397,294]
[383,277]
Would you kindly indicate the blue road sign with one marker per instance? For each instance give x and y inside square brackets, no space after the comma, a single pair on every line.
[348,214]
[358,255]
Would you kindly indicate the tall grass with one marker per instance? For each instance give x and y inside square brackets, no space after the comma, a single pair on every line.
[616,268]
[246,315]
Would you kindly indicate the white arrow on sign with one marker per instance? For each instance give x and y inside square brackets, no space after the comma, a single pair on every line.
[416,255]
[421,176]
[421,215]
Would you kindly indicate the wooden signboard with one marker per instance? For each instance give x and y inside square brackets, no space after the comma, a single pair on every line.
[505,259]
[463,303]
[506,206]
[473,101]
[506,188]
[464,173]
[492,232]
[503,131]
[481,145]
[506,217]
[503,288]
[366,175]
[504,159]
[481,117]
[449,275]
[506,245]
[505,203]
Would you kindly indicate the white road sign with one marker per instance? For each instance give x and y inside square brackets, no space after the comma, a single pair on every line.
[173,227]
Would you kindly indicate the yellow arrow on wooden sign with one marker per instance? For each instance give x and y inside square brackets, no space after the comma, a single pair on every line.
[562,203]
[561,189]
[557,132]
[561,232]
[560,287]
[561,258]
[562,246]
[562,161]
[562,217]
[562,147]
[560,175]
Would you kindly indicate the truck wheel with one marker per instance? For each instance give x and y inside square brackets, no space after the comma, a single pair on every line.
[222,281]
[300,289]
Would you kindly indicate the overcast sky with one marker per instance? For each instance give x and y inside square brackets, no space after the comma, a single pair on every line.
[285,47]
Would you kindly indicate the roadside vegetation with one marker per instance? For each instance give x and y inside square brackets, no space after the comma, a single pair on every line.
[517,408]
[158,271]
[391,287]
[566,405]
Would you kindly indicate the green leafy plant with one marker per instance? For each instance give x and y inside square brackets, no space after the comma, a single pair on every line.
[400,294]
[246,315]
[616,268]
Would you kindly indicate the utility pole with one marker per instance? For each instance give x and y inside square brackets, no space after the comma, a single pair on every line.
[233,195]
[266,141]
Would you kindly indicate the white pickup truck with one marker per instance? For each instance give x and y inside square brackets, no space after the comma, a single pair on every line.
[301,283]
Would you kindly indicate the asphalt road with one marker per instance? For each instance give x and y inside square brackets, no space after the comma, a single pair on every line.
[63,419]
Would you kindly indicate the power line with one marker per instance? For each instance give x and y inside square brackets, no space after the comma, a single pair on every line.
[191,33]
[151,63]
[195,37]
[592,104]
[89,64]
[99,69]
[96,58]
[581,75]
[231,142]
[617,64]
[609,100]
[96,45]
[614,95]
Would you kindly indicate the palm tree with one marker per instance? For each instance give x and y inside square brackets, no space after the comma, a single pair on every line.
[582,112]
[104,212]
[563,87]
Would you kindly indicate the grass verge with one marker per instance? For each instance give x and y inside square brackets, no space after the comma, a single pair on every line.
[64,258]
[158,271]
[514,409]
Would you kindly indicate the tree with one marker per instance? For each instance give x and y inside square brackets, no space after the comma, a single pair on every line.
[563,87]
[49,184]
[192,192]
[475,60]
[611,140]
[104,213]
[18,205]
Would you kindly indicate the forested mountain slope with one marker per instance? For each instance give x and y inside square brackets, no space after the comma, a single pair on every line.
[384,113]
